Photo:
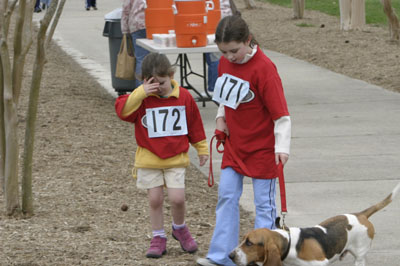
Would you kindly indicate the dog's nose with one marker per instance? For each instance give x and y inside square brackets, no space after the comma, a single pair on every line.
[232,255]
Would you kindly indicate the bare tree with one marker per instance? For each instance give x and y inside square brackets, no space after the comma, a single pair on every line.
[10,100]
[3,8]
[298,8]
[352,14]
[393,21]
[12,69]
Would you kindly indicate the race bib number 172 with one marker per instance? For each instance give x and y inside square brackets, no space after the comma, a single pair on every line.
[166,121]
[230,90]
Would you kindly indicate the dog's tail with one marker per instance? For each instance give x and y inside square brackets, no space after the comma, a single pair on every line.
[379,206]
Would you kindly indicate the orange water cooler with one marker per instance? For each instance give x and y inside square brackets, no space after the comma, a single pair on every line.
[213,17]
[191,22]
[159,17]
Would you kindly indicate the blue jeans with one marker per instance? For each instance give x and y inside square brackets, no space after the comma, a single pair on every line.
[140,53]
[212,60]
[90,3]
[226,232]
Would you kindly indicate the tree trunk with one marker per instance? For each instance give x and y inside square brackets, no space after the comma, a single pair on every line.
[57,16]
[42,43]
[22,43]
[11,138]
[40,60]
[11,158]
[2,131]
[4,25]
[250,4]
[352,14]
[11,191]
[357,14]
[345,14]
[298,8]
[393,21]
[26,185]
[11,77]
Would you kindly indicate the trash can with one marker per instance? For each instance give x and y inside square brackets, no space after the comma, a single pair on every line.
[112,30]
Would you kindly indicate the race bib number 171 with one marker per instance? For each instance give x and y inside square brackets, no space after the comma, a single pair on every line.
[230,90]
[166,121]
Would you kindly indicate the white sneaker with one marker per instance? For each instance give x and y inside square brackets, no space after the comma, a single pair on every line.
[206,262]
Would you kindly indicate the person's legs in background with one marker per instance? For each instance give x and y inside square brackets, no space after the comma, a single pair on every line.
[89,4]
[37,8]
[212,60]
[94,4]
[140,53]
[45,4]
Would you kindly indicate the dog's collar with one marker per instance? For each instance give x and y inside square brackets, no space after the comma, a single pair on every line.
[286,253]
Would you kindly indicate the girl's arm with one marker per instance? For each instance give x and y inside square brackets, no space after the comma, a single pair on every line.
[220,120]
[138,95]
[134,101]
[282,132]
[202,151]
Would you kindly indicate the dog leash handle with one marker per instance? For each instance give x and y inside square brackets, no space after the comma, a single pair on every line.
[220,137]
[210,171]
[282,189]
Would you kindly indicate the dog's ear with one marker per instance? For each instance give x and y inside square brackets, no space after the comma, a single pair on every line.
[278,222]
[272,256]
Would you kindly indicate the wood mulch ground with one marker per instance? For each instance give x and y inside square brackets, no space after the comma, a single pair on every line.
[84,154]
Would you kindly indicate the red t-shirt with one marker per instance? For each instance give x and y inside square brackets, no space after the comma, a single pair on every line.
[251,125]
[165,147]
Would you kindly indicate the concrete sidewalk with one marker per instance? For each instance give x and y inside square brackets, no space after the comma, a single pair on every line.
[345,148]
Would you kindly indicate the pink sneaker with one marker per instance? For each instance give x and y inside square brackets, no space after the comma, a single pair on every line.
[185,238]
[158,247]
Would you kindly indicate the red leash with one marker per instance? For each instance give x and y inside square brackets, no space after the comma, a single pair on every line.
[220,136]
[223,138]
[282,188]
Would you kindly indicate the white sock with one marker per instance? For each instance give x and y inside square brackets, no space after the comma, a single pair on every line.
[178,226]
[160,233]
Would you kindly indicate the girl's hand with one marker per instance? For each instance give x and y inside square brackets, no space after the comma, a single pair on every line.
[150,87]
[203,159]
[221,125]
[281,157]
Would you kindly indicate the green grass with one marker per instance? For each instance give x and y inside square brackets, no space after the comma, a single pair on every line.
[373,8]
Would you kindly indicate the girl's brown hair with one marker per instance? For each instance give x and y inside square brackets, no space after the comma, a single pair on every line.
[155,64]
[233,28]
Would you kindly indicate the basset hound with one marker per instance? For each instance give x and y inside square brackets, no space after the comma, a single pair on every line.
[314,246]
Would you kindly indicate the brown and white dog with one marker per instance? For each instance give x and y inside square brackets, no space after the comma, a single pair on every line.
[314,246]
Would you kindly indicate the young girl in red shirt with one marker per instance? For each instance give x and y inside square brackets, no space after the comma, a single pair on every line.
[253,114]
[167,120]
